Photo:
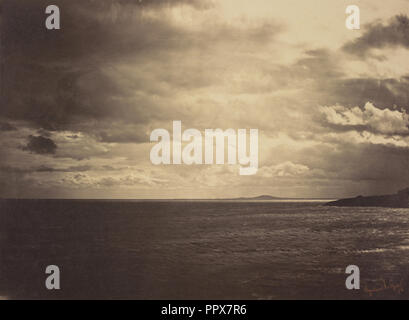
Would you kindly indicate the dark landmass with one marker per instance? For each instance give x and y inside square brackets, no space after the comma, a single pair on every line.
[398,200]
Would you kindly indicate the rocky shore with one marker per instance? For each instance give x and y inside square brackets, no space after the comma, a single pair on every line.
[398,200]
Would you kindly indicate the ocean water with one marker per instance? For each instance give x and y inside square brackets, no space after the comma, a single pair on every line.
[201,250]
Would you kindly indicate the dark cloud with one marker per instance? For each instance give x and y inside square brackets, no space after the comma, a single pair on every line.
[18,170]
[61,79]
[110,4]
[40,145]
[332,86]
[378,35]
[320,74]
[54,78]
[318,64]
[13,170]
[68,169]
[383,168]
[384,93]
[375,168]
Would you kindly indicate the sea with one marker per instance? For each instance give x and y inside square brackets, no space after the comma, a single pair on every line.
[133,249]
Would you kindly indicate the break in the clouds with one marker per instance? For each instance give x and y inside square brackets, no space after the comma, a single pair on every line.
[78,104]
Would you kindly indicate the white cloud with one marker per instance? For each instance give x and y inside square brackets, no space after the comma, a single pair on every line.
[374,119]
[285,169]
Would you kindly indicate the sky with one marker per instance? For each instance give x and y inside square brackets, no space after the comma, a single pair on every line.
[78,104]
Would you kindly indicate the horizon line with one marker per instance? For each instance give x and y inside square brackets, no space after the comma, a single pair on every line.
[181,199]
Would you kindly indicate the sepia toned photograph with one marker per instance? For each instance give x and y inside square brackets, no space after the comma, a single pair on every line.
[204,150]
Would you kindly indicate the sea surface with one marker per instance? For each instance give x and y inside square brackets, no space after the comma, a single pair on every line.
[201,250]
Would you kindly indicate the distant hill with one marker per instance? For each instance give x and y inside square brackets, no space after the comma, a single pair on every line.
[263,197]
[398,200]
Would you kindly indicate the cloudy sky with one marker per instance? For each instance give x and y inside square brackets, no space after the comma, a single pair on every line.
[78,104]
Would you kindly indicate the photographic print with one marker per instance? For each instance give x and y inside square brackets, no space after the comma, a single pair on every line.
[204,150]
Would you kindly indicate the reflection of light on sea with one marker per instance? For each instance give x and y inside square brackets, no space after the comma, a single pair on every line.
[379,250]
